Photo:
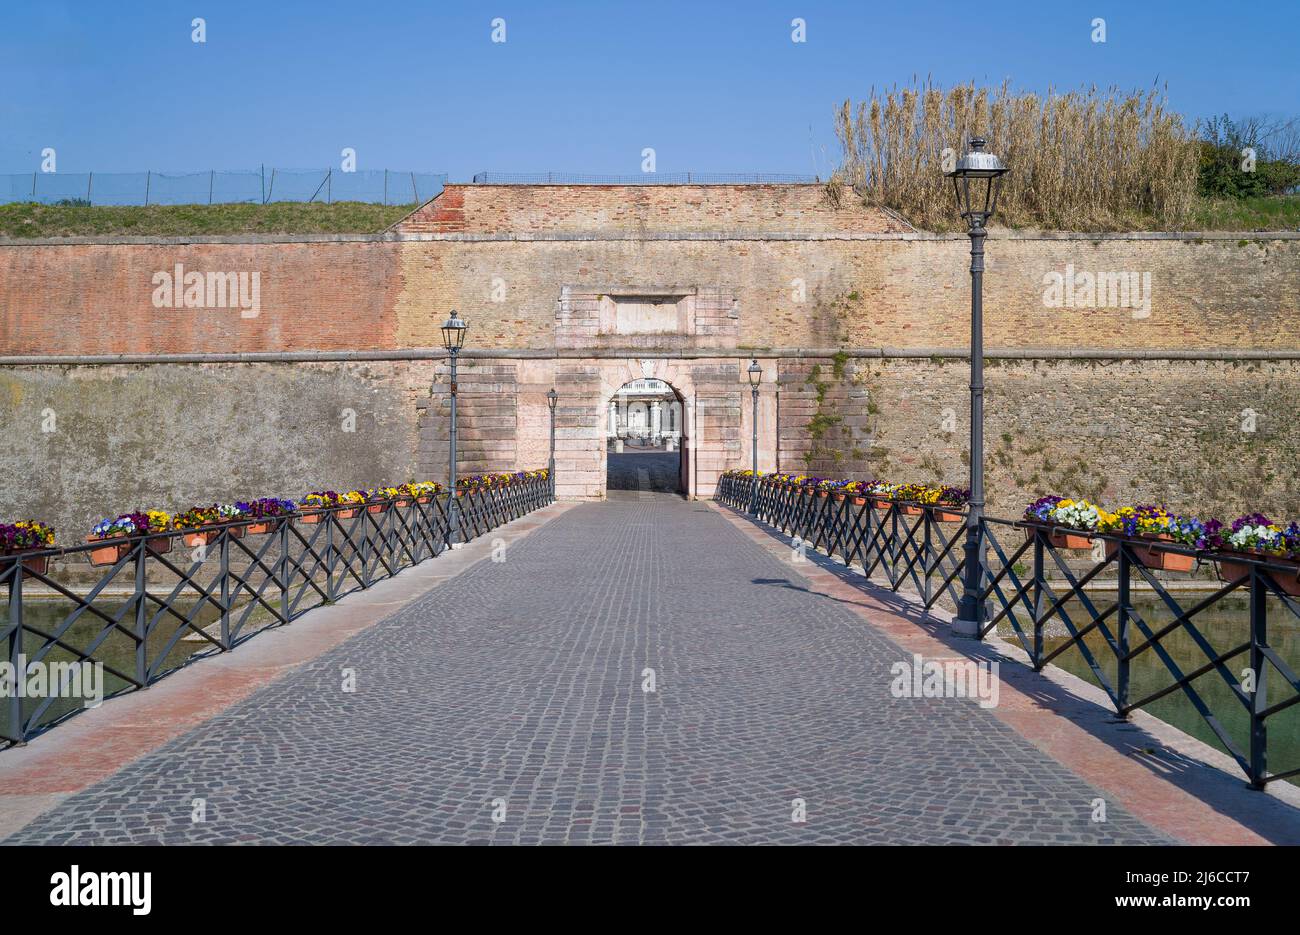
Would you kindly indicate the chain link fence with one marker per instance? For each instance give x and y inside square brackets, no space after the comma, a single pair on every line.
[254,186]
[645,178]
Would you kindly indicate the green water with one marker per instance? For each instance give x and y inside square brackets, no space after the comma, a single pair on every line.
[1224,626]
[117,650]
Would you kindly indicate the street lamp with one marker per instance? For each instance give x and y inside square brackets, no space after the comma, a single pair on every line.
[755,377]
[453,339]
[551,398]
[975,182]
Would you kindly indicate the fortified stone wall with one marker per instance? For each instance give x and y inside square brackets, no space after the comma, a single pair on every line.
[897,293]
[86,442]
[586,288]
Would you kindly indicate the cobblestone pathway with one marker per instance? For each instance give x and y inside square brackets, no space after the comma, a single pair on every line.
[517,688]
[644,471]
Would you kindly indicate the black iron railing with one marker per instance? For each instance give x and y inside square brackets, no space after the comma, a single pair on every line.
[1036,588]
[214,587]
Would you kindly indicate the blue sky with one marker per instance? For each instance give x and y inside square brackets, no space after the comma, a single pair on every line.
[577,86]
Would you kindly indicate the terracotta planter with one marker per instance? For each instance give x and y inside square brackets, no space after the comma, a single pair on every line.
[381,507]
[424,499]
[348,513]
[910,510]
[948,516]
[38,564]
[839,496]
[821,494]
[262,528]
[107,554]
[159,545]
[309,516]
[235,532]
[1079,541]
[403,504]
[1289,583]
[858,501]
[197,537]
[879,503]
[1156,559]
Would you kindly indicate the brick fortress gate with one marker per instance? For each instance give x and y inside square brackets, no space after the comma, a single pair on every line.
[336,378]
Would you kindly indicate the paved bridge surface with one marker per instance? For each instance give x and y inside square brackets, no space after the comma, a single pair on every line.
[516,690]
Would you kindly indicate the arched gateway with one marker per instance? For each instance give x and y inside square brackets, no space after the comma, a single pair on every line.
[644,435]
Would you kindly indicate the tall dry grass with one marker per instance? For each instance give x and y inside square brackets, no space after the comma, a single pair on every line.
[1082,160]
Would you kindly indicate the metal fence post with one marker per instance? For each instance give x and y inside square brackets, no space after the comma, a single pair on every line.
[1122,663]
[1258,664]
[1038,600]
[141,621]
[225,588]
[284,568]
[16,665]
[330,520]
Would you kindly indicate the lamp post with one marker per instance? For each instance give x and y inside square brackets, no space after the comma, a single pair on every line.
[453,339]
[975,182]
[551,398]
[755,376]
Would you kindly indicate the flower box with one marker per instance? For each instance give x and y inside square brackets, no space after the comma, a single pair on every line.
[37,564]
[1062,539]
[263,527]
[347,514]
[859,501]
[942,515]
[197,537]
[159,545]
[1288,582]
[381,507]
[402,503]
[1155,559]
[424,499]
[839,496]
[309,516]
[908,509]
[107,554]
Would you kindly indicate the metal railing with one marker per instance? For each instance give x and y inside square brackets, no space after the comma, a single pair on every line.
[213,587]
[1032,587]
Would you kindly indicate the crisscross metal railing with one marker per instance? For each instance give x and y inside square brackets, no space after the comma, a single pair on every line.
[1040,583]
[167,598]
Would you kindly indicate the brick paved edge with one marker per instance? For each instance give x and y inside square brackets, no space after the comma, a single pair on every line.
[92,746]
[1163,776]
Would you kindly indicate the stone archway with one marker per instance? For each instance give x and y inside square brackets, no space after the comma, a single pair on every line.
[668,431]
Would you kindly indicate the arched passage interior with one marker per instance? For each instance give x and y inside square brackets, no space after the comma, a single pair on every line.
[644,435]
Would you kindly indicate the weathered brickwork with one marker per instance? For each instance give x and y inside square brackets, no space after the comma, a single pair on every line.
[640,209]
[556,278]
[99,299]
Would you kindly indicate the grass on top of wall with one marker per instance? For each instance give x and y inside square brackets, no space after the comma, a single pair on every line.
[1266,213]
[30,220]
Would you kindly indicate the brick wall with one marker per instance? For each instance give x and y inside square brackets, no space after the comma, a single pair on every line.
[498,209]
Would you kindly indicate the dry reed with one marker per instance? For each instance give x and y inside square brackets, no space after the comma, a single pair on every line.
[1083,160]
